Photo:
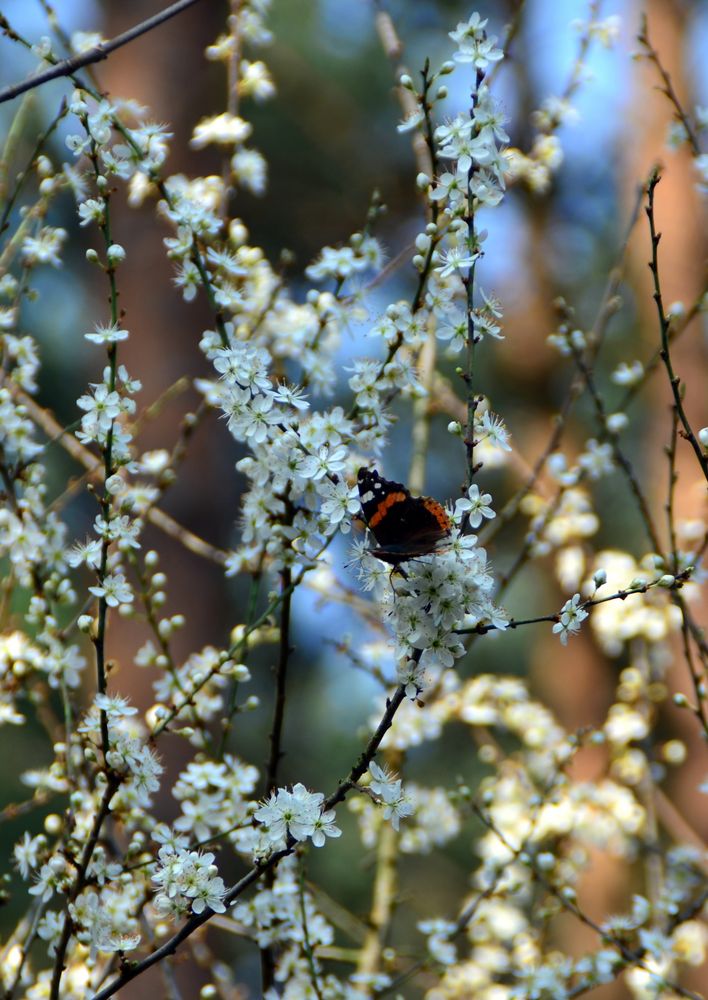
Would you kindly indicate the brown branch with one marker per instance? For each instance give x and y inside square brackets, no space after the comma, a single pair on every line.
[667,87]
[674,380]
[69,66]
[132,969]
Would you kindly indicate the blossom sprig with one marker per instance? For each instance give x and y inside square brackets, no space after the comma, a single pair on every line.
[389,789]
[577,605]
[571,617]
[474,508]
[536,167]
[188,880]
[295,815]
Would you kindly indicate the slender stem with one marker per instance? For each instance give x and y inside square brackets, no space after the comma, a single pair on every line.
[130,971]
[80,881]
[267,956]
[228,720]
[620,595]
[24,174]
[67,67]
[671,491]
[276,731]
[668,87]
[306,943]
[617,452]
[468,281]
[25,947]
[674,380]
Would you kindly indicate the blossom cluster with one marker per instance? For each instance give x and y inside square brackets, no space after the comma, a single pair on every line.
[128,852]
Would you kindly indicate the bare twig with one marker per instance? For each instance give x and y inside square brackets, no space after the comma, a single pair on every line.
[99,52]
[674,380]
[667,87]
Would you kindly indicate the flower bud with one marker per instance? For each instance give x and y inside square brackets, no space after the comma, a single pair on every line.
[115,254]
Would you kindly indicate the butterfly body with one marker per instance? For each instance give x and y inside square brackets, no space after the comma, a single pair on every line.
[403,526]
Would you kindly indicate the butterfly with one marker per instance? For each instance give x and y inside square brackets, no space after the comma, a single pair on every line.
[403,526]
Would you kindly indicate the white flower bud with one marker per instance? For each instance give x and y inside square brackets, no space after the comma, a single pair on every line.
[422,242]
[53,825]
[599,577]
[617,422]
[577,339]
[92,256]
[115,254]
[422,181]
[405,81]
[113,484]
[84,623]
[44,166]
[674,752]
[238,234]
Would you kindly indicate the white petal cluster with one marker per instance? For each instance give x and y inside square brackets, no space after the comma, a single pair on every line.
[294,815]
[187,880]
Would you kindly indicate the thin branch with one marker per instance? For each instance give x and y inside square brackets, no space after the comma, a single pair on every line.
[130,970]
[594,340]
[276,732]
[112,783]
[468,281]
[667,87]
[99,52]
[620,595]
[674,380]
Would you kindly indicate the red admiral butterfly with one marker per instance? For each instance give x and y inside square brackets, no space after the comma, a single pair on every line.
[403,526]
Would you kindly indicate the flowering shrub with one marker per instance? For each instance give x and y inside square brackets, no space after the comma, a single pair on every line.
[114,880]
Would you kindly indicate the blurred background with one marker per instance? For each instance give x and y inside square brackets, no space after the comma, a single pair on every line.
[330,139]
